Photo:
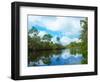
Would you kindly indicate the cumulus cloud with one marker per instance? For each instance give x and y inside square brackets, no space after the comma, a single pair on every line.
[55,25]
[42,33]
[66,40]
[64,24]
[68,26]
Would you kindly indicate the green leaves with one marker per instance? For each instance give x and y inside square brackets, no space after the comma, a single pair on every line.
[83,45]
[33,31]
[35,42]
[47,37]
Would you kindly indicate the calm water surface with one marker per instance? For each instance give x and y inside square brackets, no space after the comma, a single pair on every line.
[55,57]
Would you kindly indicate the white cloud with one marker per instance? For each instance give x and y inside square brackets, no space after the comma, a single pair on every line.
[79,40]
[42,33]
[55,25]
[66,25]
[66,40]
[34,18]
[70,25]
[31,35]
[63,24]
[54,39]
[74,39]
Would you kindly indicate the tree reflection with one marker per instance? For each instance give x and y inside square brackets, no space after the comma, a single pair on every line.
[75,51]
[56,57]
[43,56]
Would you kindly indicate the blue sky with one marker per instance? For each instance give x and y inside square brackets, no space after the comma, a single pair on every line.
[67,28]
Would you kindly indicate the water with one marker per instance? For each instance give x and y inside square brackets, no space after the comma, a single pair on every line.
[55,57]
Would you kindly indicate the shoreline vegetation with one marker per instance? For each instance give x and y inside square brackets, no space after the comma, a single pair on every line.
[37,43]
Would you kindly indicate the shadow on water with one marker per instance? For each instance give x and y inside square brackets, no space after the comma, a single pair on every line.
[56,57]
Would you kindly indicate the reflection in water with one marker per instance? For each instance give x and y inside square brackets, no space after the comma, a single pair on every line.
[55,57]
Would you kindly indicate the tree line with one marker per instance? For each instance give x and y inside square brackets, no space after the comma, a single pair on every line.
[35,42]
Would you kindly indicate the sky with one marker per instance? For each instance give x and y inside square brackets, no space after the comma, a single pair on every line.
[66,27]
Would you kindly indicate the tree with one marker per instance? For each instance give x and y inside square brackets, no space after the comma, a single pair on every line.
[35,42]
[33,31]
[84,33]
[58,39]
[47,37]
[33,38]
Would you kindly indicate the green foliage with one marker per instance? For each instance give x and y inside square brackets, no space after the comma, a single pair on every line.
[33,31]
[58,39]
[81,46]
[35,42]
[47,37]
[44,56]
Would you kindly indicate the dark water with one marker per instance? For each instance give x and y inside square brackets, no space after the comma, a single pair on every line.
[56,57]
